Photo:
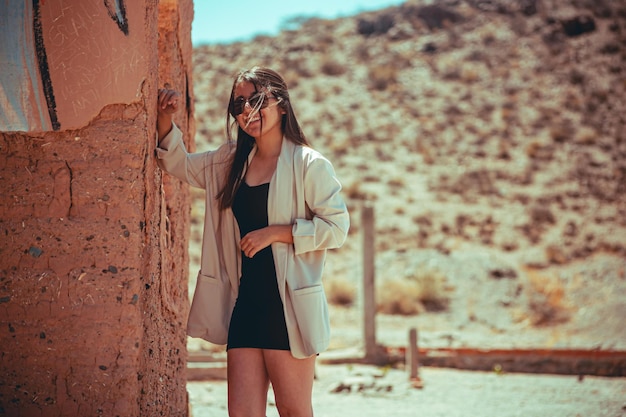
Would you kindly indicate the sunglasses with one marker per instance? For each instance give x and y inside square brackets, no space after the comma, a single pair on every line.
[256,101]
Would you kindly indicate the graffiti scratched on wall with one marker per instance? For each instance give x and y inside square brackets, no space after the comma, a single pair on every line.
[63,62]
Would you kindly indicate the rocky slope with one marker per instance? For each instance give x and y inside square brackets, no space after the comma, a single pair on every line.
[489,135]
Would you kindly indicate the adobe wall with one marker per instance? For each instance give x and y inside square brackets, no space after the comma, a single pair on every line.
[93,238]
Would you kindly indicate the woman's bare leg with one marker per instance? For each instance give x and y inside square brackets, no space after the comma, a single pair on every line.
[292,381]
[248,383]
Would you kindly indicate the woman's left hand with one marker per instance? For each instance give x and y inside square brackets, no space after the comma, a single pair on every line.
[257,240]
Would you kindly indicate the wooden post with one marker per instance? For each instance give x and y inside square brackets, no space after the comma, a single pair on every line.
[369,298]
[412,359]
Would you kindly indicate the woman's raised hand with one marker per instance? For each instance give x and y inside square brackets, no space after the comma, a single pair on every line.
[167,104]
[168,100]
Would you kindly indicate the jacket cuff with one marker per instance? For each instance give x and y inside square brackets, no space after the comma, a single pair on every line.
[172,140]
[303,232]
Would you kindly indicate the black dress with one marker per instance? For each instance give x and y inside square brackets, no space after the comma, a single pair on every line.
[258,320]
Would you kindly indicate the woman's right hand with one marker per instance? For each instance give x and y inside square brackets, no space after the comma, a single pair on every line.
[167,104]
[168,100]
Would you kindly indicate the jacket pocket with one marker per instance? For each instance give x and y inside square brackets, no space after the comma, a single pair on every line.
[311,310]
[211,308]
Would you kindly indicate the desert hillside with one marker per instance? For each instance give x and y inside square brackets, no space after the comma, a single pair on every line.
[489,135]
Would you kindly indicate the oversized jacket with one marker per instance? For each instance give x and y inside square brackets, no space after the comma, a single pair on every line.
[304,192]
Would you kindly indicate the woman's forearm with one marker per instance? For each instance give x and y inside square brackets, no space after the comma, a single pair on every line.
[282,233]
[167,104]
[164,125]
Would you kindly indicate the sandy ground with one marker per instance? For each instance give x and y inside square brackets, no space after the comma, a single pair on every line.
[446,392]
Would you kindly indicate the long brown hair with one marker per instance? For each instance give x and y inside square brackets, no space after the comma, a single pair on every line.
[270,82]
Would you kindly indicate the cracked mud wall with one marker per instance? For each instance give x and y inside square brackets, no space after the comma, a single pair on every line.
[93,237]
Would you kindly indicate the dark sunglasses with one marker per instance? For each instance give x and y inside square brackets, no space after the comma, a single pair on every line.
[257,101]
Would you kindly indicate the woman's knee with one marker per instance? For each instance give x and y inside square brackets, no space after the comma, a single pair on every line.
[295,410]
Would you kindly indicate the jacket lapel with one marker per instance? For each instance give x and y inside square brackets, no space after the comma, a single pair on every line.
[280,199]
[280,207]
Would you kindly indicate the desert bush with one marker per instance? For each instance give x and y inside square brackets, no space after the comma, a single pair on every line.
[546,299]
[556,255]
[319,96]
[296,67]
[470,73]
[409,295]
[354,191]
[396,182]
[382,77]
[437,17]
[340,292]
[537,150]
[332,67]
[362,52]
[399,296]
[292,76]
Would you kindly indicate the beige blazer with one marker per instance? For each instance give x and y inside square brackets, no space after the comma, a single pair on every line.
[305,192]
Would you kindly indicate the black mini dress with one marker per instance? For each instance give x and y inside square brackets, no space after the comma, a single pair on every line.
[258,320]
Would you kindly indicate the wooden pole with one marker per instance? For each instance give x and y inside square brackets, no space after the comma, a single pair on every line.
[369,298]
[412,359]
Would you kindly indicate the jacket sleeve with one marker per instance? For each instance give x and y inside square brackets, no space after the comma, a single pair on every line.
[173,158]
[327,226]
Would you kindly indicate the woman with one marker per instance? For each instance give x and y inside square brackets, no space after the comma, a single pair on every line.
[273,208]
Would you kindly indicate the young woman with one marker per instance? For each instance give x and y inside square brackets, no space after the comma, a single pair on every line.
[273,208]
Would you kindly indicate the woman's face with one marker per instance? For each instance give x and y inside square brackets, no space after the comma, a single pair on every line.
[250,118]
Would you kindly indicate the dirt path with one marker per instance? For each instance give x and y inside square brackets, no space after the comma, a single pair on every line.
[446,392]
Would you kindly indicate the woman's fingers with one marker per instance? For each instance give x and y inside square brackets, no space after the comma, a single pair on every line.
[168,100]
[248,247]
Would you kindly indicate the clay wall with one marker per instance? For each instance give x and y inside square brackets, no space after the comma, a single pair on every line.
[93,237]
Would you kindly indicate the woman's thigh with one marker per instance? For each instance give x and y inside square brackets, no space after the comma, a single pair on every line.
[248,383]
[292,382]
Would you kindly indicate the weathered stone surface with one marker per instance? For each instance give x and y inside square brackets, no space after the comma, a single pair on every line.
[93,238]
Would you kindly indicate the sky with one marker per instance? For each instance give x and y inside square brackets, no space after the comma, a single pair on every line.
[234,20]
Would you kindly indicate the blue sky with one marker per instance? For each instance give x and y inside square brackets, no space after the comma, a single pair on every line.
[232,20]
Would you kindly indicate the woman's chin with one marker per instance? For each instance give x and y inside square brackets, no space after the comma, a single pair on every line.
[255,133]
[253,128]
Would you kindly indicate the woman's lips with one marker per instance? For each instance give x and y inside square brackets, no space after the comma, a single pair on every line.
[252,121]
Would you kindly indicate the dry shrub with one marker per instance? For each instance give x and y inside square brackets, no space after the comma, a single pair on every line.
[546,299]
[397,182]
[586,136]
[470,73]
[340,292]
[537,150]
[382,77]
[556,255]
[399,296]
[423,291]
[296,68]
[292,76]
[354,191]
[332,67]
[560,132]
